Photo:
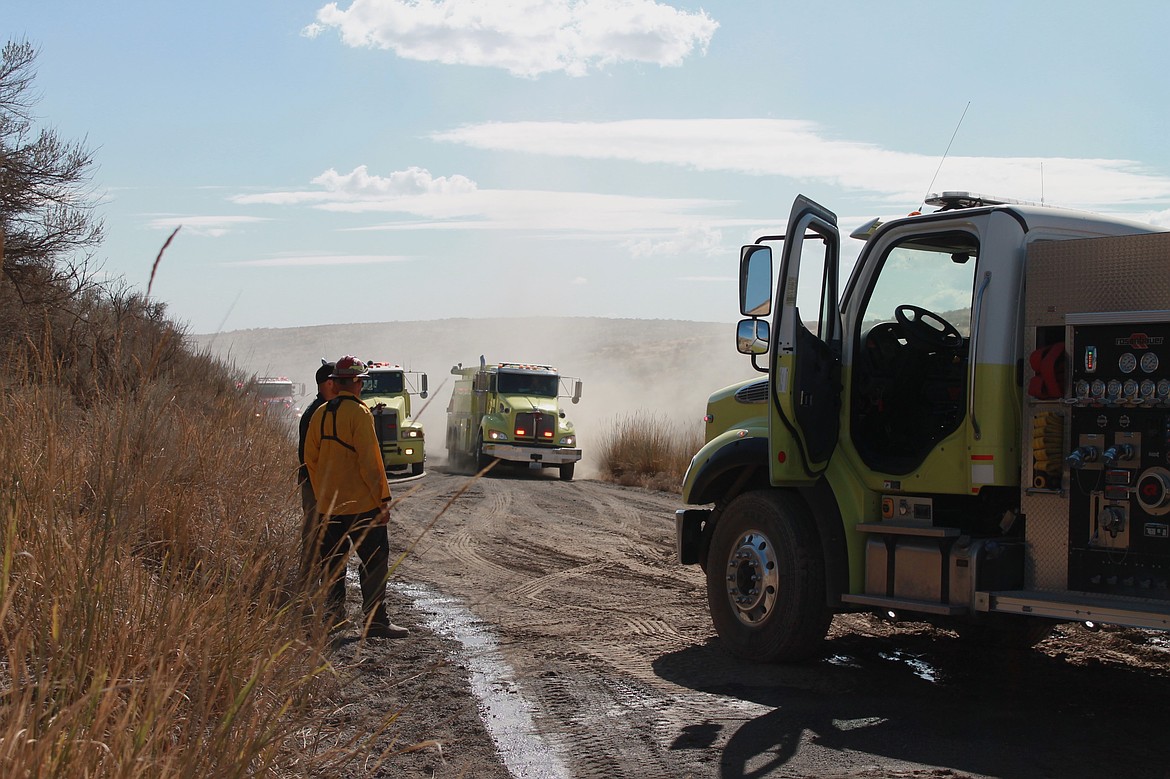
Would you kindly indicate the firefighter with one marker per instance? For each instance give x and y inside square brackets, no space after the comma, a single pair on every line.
[349,480]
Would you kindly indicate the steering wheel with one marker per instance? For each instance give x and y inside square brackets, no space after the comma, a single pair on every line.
[927,329]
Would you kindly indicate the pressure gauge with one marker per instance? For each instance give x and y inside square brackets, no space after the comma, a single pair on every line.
[1097,388]
[1164,388]
[1147,388]
[1129,389]
[1113,389]
[1149,362]
[1127,363]
[1082,388]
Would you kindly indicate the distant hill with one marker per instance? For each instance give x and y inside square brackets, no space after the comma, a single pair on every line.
[627,366]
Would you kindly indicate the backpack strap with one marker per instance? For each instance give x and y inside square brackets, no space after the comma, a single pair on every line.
[331,409]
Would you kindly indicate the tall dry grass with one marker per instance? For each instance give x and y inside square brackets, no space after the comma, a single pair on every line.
[150,623]
[644,450]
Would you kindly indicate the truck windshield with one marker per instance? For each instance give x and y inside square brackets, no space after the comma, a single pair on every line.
[390,383]
[540,384]
[274,389]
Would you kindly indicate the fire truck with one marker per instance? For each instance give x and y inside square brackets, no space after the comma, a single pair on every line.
[974,431]
[276,396]
[387,391]
[510,411]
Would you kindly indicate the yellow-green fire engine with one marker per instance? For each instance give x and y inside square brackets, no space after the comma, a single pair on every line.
[510,411]
[387,391]
[975,432]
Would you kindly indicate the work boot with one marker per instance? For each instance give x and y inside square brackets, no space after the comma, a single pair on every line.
[386,630]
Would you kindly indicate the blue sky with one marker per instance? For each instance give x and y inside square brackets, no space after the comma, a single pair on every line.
[381,160]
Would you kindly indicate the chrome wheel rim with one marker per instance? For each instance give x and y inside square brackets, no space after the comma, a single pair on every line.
[752,578]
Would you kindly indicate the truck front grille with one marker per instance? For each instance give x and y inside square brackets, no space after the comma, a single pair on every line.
[535,427]
[386,423]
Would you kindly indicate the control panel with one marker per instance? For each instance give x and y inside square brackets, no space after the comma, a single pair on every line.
[1119,461]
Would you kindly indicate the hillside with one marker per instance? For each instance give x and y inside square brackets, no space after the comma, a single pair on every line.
[627,366]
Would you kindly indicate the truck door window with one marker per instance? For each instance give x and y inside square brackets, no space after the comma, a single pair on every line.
[910,366]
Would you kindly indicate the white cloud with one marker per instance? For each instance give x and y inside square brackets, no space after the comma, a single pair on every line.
[309,260]
[456,202]
[1160,218]
[212,226]
[524,37]
[700,239]
[800,150]
[412,181]
[709,279]
[358,186]
[580,281]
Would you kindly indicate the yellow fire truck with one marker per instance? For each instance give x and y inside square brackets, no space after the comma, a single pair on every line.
[387,391]
[510,411]
[974,432]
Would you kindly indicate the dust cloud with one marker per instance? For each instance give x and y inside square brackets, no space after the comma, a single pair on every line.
[653,368]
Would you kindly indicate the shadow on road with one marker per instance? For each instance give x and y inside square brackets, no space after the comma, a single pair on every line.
[931,700]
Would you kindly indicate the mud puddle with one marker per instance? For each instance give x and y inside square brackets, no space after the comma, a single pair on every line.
[506,713]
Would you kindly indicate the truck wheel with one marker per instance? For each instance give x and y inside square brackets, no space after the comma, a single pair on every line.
[766,578]
[416,469]
[567,471]
[481,460]
[453,455]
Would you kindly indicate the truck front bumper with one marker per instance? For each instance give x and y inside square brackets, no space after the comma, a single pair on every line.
[688,534]
[532,454]
[402,455]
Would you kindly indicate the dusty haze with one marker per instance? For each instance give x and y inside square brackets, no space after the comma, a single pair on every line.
[653,367]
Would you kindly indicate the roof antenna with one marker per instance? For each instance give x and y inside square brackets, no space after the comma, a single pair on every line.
[944,157]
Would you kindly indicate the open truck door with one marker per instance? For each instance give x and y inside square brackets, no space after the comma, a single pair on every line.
[805,369]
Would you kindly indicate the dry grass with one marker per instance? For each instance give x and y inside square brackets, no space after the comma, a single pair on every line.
[643,450]
[150,623]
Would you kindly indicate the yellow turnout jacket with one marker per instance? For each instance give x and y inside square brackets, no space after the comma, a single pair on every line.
[344,458]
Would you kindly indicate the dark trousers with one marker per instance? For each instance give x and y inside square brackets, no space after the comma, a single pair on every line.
[309,529]
[343,531]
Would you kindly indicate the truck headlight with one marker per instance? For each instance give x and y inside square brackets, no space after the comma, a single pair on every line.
[568,440]
[496,435]
[412,434]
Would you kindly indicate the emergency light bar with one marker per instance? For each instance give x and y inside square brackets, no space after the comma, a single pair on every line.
[525,367]
[951,199]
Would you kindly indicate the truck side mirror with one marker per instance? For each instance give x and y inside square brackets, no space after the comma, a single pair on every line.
[423,394]
[755,280]
[751,336]
[577,391]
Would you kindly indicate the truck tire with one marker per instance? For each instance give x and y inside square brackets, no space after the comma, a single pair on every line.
[481,460]
[453,454]
[567,471]
[766,578]
[416,469]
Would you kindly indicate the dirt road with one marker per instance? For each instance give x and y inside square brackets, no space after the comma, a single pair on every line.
[610,644]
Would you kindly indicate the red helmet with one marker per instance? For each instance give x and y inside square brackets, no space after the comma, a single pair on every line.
[349,367]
